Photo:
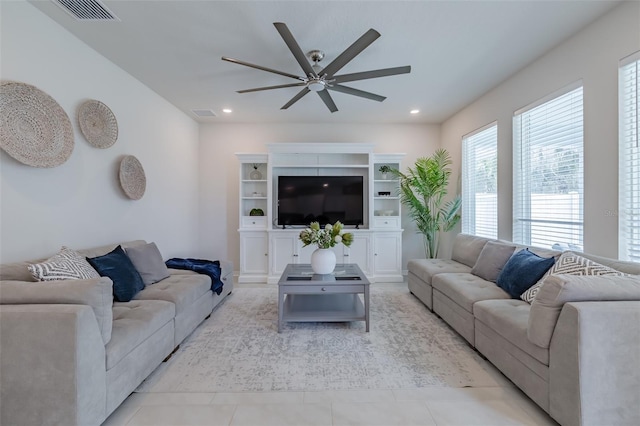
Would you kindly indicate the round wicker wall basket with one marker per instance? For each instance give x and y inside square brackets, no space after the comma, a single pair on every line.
[97,124]
[132,177]
[34,129]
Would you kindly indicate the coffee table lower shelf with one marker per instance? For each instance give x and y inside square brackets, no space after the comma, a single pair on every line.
[323,308]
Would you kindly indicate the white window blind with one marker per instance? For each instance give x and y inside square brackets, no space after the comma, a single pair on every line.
[548,172]
[479,182]
[629,152]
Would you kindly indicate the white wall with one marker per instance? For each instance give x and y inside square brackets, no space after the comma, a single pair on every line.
[80,203]
[219,201]
[591,55]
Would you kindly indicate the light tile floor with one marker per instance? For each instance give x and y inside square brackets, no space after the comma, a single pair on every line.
[501,405]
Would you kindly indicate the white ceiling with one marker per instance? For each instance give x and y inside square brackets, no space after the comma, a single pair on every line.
[458,50]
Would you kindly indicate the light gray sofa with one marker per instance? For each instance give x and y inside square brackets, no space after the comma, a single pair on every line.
[69,355]
[575,350]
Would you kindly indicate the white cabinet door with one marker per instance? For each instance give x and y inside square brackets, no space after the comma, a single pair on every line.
[284,250]
[360,252]
[387,255]
[303,253]
[342,253]
[254,253]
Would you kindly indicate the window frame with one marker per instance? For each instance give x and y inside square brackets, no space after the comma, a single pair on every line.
[469,207]
[628,212]
[543,229]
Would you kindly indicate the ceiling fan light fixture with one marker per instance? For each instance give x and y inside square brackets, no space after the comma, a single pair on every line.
[316,86]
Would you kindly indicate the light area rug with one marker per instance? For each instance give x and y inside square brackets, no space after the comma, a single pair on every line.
[238,349]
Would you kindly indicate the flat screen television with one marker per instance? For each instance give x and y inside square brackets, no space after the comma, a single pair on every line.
[324,199]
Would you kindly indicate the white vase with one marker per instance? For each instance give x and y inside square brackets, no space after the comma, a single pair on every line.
[323,261]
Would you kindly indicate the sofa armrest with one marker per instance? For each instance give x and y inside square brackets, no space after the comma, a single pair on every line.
[52,365]
[94,292]
[593,364]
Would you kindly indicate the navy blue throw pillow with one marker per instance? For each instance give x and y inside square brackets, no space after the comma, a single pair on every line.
[521,271]
[117,266]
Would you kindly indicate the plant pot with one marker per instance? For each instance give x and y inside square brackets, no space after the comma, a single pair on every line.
[323,261]
[385,176]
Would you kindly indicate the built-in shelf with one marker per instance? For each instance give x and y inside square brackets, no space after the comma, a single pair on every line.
[266,249]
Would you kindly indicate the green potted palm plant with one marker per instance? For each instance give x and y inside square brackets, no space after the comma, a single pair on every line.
[423,189]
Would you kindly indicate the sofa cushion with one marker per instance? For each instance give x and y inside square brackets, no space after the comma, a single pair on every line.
[572,264]
[510,319]
[17,271]
[117,266]
[425,269]
[95,292]
[542,252]
[181,289]
[102,250]
[492,258]
[467,248]
[148,262]
[522,271]
[133,323]
[467,289]
[560,289]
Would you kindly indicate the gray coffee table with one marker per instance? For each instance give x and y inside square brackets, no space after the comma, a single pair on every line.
[307,297]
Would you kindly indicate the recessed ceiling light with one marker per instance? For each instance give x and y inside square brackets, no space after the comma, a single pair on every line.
[227,110]
[414,111]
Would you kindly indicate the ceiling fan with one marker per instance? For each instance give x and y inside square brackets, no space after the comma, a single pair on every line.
[321,80]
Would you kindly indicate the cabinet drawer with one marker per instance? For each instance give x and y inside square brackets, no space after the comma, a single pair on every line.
[386,222]
[322,289]
[254,222]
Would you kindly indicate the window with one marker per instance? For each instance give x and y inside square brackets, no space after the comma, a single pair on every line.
[548,172]
[479,182]
[629,152]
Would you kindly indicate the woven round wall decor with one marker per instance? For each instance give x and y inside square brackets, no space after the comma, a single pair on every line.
[34,129]
[132,178]
[98,124]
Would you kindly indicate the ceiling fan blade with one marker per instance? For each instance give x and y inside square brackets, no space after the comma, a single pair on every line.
[258,67]
[296,98]
[372,74]
[281,86]
[293,46]
[351,52]
[328,101]
[356,92]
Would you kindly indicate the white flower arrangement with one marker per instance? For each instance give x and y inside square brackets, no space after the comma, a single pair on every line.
[326,237]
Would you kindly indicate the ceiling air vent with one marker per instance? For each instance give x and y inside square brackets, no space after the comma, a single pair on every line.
[87,10]
[203,112]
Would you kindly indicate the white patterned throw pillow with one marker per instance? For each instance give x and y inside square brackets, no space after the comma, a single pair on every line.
[67,264]
[570,263]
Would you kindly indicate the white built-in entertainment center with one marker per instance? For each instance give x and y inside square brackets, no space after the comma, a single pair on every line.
[267,246]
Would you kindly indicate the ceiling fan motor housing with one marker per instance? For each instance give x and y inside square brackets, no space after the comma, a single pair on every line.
[315,55]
